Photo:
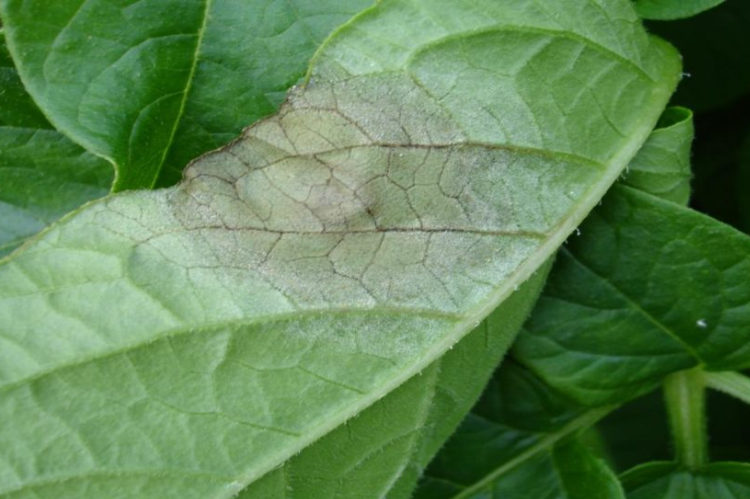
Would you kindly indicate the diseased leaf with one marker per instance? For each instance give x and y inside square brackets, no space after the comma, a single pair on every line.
[197,339]
[673,9]
[662,166]
[43,175]
[667,481]
[520,419]
[151,85]
[605,330]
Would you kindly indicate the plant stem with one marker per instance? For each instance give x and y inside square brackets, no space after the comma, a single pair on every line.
[685,396]
[731,383]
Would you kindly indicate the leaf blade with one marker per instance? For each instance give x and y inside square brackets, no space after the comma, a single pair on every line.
[272,251]
[42,174]
[79,58]
[667,10]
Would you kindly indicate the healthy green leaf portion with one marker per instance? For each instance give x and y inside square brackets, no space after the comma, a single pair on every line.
[673,9]
[732,383]
[17,110]
[662,166]
[151,85]
[517,443]
[322,261]
[667,481]
[384,450]
[42,174]
[606,330]
[583,476]
[569,471]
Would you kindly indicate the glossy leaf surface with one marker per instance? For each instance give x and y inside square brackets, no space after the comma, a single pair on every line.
[517,443]
[602,331]
[151,85]
[673,9]
[666,481]
[43,175]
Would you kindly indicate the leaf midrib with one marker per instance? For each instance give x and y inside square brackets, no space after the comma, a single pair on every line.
[586,420]
[634,305]
[230,324]
[183,104]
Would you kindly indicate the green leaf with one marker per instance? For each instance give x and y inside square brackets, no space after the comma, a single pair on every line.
[42,174]
[514,444]
[667,481]
[607,330]
[151,85]
[195,339]
[384,450]
[662,166]
[637,432]
[520,418]
[583,476]
[17,110]
[673,9]
[570,471]
[731,383]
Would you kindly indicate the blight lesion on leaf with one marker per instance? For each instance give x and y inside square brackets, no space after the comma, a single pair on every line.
[320,262]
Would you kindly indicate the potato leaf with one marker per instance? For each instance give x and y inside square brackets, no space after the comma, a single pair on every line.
[608,316]
[151,85]
[673,9]
[517,440]
[520,419]
[43,175]
[196,339]
[668,481]
[662,166]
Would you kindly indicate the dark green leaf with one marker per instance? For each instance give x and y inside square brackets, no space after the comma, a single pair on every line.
[673,9]
[662,166]
[637,432]
[667,481]
[606,329]
[510,446]
[16,107]
[150,85]
[43,175]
